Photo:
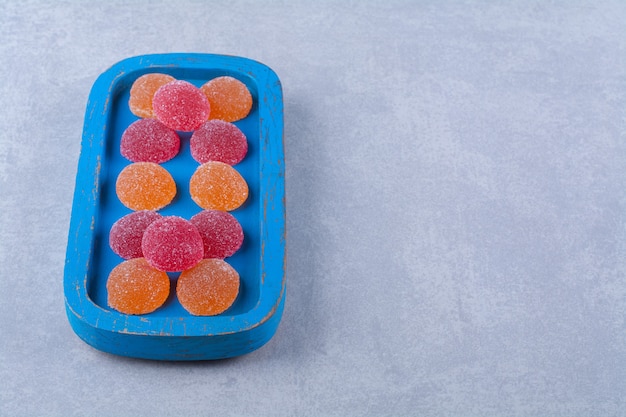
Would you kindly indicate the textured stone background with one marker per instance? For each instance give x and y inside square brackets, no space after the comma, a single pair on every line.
[456,192]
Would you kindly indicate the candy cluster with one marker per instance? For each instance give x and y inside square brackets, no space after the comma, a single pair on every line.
[152,244]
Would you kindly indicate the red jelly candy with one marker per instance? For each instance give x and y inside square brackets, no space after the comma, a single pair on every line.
[126,233]
[221,233]
[217,140]
[209,288]
[181,106]
[172,244]
[148,140]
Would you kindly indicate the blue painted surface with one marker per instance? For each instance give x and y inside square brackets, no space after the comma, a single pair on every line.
[170,333]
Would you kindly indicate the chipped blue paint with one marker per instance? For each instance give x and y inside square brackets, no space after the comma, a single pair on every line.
[170,333]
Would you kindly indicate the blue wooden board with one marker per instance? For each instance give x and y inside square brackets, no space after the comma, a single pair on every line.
[171,333]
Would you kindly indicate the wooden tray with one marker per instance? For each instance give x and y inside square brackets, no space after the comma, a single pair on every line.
[170,333]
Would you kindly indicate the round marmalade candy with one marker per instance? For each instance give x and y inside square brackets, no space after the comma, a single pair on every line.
[145,186]
[230,98]
[134,287]
[221,233]
[142,92]
[218,186]
[209,288]
[148,140]
[172,244]
[217,140]
[126,233]
[181,106]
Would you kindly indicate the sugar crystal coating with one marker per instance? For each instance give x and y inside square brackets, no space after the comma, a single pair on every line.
[148,140]
[217,140]
[142,91]
[126,233]
[134,287]
[145,186]
[221,233]
[218,186]
[230,98]
[209,288]
[181,106]
[172,244]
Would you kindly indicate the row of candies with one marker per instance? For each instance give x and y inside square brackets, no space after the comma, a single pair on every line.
[152,244]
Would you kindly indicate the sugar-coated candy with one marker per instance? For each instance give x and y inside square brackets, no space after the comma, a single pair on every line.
[142,91]
[126,233]
[230,98]
[134,287]
[148,140]
[217,140]
[145,186]
[172,244]
[221,233]
[209,288]
[181,106]
[218,186]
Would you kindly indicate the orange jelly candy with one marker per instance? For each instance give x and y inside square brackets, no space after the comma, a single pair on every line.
[145,186]
[142,92]
[230,99]
[209,288]
[134,287]
[218,186]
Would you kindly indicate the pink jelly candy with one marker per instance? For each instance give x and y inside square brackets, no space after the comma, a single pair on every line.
[221,233]
[126,233]
[217,140]
[148,140]
[181,106]
[172,244]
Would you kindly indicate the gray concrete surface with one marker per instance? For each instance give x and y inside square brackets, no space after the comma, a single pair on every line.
[456,195]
